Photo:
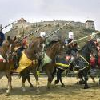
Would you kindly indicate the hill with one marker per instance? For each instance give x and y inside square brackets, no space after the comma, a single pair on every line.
[54,29]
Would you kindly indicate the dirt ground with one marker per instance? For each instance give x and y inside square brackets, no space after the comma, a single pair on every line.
[72,91]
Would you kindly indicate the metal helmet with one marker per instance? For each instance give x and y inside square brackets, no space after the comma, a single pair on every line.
[42,34]
[71,35]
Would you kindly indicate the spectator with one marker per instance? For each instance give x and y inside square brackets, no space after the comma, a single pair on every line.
[2,36]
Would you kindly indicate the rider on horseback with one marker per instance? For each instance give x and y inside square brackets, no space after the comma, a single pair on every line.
[43,35]
[72,49]
[72,46]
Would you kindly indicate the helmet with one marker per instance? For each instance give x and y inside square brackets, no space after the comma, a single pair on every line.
[43,34]
[71,35]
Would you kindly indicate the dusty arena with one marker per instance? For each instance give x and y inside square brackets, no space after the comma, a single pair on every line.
[72,91]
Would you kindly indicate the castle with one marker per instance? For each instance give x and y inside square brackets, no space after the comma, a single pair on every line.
[22,23]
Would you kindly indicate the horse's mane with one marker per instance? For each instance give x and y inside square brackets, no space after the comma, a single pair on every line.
[52,45]
[87,44]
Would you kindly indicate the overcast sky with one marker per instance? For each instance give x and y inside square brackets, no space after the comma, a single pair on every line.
[37,10]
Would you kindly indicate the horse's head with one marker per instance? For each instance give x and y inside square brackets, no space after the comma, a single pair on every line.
[5,44]
[36,45]
[55,49]
[7,50]
[59,46]
[34,48]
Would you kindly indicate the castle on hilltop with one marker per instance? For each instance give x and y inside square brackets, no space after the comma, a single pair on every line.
[89,24]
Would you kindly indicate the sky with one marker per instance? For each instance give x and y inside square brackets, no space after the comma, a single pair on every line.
[37,10]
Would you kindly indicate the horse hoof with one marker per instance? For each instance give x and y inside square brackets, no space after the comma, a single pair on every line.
[7,92]
[99,82]
[63,85]
[19,76]
[23,89]
[48,88]
[38,91]
[81,82]
[31,86]
[86,87]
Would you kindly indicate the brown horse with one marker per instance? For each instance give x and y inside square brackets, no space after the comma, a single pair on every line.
[47,62]
[49,65]
[28,60]
[5,64]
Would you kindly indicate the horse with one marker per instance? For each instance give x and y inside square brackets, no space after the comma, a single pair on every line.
[48,61]
[65,62]
[85,52]
[5,52]
[84,58]
[28,60]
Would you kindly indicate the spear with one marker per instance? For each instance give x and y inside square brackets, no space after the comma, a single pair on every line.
[8,25]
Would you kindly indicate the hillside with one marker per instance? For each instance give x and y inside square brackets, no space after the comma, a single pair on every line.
[58,28]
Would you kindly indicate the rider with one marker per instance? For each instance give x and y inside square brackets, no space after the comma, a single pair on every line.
[24,42]
[2,36]
[72,46]
[72,49]
[43,35]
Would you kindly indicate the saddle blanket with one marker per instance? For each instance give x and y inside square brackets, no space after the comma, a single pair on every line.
[46,59]
[63,65]
[23,63]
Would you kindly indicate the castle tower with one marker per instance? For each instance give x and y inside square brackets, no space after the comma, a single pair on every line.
[90,24]
[22,20]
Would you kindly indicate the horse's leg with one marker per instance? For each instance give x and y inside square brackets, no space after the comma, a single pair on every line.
[26,74]
[60,77]
[11,79]
[49,80]
[99,76]
[49,72]
[36,77]
[1,75]
[92,77]
[86,85]
[23,82]
[80,76]
[9,82]
[28,79]
[57,80]
[85,75]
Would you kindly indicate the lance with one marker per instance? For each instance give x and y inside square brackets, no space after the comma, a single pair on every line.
[86,37]
[9,25]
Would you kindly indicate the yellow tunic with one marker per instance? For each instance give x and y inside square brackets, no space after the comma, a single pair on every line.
[24,62]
